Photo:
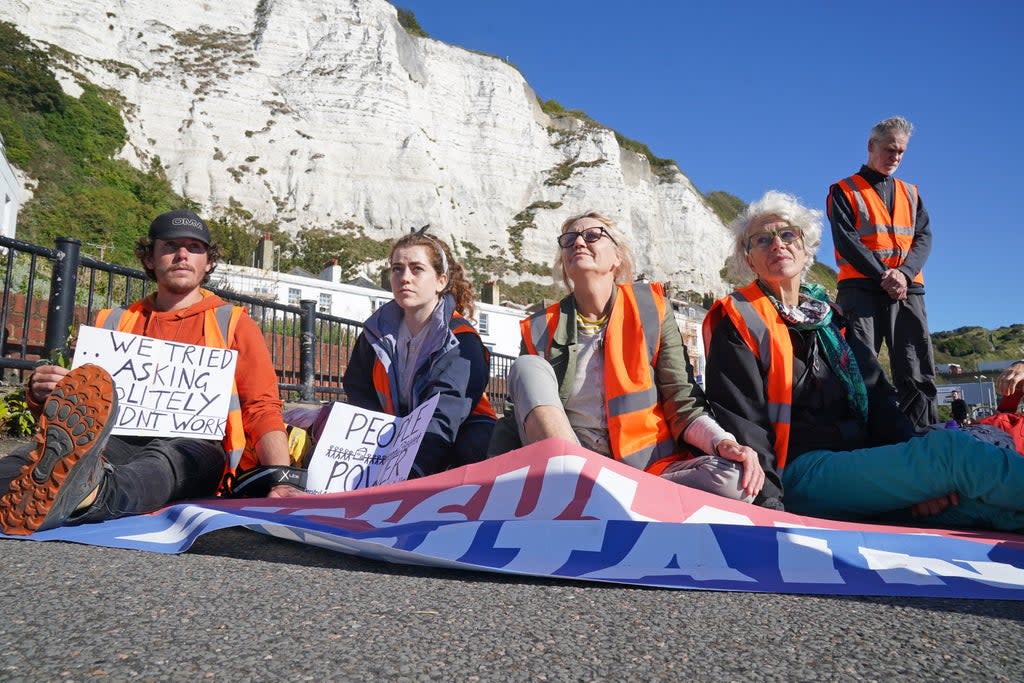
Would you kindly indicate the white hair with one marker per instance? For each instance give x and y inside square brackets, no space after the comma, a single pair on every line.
[783,206]
[892,126]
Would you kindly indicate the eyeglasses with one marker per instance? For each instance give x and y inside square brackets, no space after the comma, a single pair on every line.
[589,235]
[765,240]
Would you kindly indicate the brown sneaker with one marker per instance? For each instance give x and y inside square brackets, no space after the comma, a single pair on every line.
[65,466]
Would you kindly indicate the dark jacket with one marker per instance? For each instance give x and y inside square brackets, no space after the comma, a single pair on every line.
[847,240]
[457,369]
[821,417]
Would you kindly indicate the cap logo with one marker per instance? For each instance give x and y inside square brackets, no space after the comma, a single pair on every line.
[190,222]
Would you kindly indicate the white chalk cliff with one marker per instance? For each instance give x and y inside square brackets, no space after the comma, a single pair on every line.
[318,112]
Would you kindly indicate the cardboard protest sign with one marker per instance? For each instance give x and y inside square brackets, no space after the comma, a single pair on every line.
[164,388]
[362,448]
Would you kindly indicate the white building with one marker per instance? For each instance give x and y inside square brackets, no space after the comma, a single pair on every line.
[10,192]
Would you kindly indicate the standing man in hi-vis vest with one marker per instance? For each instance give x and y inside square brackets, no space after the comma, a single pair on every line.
[882,239]
[74,473]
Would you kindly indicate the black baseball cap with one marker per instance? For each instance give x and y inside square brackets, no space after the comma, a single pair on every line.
[177,224]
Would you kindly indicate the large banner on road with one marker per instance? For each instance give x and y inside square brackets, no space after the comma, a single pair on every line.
[557,510]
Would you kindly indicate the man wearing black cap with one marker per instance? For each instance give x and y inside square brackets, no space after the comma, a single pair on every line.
[75,474]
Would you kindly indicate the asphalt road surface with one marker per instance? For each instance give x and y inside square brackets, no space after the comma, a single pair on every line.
[241,606]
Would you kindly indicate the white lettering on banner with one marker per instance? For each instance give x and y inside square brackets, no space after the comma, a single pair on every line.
[927,571]
[612,497]
[545,546]
[806,559]
[163,388]
[377,514]
[661,545]
[558,489]
[450,541]
[184,524]
[506,492]
[707,514]
[429,510]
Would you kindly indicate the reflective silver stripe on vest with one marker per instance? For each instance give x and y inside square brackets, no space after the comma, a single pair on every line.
[864,218]
[911,193]
[644,457]
[757,328]
[779,413]
[223,314]
[633,402]
[649,318]
[539,333]
[113,319]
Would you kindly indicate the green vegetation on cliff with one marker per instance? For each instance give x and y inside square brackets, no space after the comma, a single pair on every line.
[67,145]
[968,346]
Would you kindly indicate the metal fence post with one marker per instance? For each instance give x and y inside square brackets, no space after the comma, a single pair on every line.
[61,312]
[307,349]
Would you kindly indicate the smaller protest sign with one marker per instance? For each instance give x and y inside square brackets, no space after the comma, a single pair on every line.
[164,388]
[362,448]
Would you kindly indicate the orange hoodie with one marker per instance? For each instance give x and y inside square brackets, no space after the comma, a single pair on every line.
[254,374]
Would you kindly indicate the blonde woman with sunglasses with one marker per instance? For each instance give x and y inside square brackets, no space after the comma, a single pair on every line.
[606,367]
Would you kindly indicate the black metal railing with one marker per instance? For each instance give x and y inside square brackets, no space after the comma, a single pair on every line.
[47,293]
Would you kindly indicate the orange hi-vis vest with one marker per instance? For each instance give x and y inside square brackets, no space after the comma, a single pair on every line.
[638,432]
[457,324]
[757,321]
[887,236]
[219,328]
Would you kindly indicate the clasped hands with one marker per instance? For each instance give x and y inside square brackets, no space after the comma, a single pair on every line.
[894,282]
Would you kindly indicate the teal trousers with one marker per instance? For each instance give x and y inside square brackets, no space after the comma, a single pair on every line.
[883,482]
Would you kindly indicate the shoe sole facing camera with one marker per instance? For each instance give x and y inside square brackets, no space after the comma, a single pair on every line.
[65,466]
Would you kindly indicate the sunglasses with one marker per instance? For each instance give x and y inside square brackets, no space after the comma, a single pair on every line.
[764,240]
[589,235]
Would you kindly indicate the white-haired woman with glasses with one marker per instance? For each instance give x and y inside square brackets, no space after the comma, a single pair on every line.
[782,378]
[606,367]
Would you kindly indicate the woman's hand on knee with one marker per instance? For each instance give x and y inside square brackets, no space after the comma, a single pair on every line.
[752,480]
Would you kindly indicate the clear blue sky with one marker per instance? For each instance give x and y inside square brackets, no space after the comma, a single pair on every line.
[752,96]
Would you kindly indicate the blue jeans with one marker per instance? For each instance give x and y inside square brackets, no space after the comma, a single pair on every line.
[887,480]
[142,475]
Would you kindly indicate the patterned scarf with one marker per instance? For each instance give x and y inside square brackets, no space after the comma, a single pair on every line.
[814,313]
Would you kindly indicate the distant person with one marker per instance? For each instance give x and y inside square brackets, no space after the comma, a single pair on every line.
[958,406]
[421,344]
[606,368]
[882,240]
[75,474]
[782,378]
